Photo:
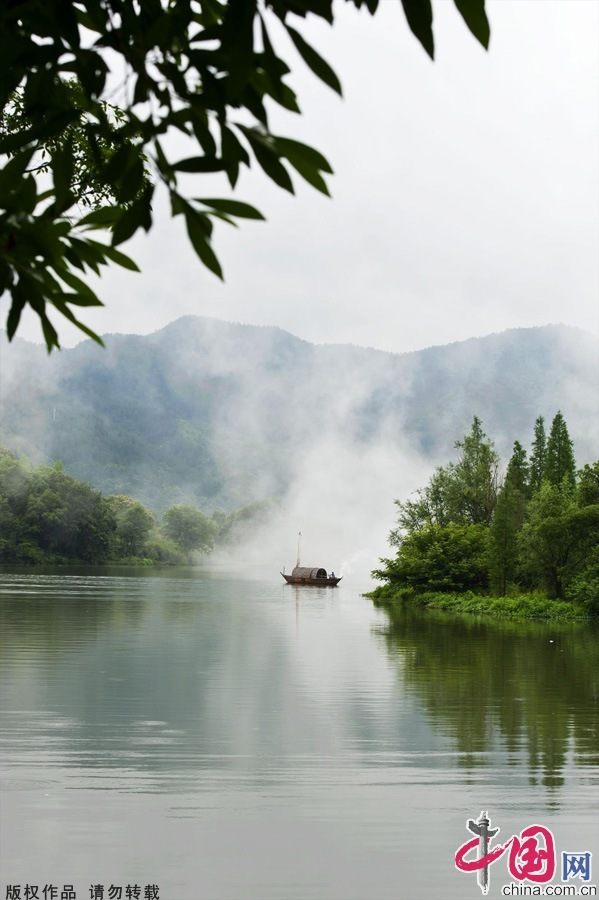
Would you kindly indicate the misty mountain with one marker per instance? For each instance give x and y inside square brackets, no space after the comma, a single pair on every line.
[221,414]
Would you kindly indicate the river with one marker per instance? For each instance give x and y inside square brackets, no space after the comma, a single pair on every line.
[229,737]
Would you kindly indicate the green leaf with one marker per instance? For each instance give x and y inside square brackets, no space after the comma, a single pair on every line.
[133,182]
[81,288]
[268,159]
[419,14]
[102,217]
[199,164]
[89,253]
[233,207]
[76,299]
[475,17]
[14,169]
[63,168]
[130,221]
[314,60]
[14,316]
[62,307]
[311,175]
[196,230]
[138,215]
[295,150]
[120,258]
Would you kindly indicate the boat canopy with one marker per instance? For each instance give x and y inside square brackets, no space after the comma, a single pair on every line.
[304,572]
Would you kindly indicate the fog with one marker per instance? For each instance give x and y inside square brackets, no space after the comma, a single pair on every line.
[221,415]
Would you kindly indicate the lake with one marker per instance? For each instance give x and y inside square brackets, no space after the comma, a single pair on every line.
[229,737]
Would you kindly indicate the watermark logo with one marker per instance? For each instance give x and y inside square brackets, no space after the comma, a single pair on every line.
[530,855]
[576,865]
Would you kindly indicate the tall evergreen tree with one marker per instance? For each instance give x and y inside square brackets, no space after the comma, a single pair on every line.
[518,470]
[507,521]
[538,456]
[503,538]
[560,462]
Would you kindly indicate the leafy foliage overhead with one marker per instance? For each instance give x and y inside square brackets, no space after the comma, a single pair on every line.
[205,68]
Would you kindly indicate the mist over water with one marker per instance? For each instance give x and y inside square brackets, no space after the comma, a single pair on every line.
[341,499]
[221,415]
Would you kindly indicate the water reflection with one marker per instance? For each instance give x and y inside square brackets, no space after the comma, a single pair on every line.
[156,721]
[528,689]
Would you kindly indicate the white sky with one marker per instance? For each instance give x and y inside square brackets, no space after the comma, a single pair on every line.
[465,199]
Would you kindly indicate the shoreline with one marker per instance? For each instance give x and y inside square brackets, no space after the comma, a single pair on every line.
[521,606]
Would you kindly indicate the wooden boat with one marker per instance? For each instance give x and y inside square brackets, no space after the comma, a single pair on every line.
[314,577]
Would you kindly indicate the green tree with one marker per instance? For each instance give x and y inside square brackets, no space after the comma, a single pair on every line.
[440,558]
[508,517]
[588,484]
[463,492]
[557,537]
[560,462]
[68,517]
[133,524]
[584,586]
[503,537]
[206,69]
[189,528]
[538,455]
[14,492]
[518,470]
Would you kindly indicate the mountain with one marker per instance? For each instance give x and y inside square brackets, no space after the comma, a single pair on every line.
[221,414]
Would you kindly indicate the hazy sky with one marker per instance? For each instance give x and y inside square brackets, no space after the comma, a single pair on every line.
[465,199]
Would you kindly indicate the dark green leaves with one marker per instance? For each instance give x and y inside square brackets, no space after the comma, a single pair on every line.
[475,17]
[199,164]
[233,208]
[419,14]
[314,61]
[132,218]
[72,163]
[305,160]
[265,152]
[198,229]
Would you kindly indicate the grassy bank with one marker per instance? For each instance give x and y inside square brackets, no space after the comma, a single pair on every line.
[520,606]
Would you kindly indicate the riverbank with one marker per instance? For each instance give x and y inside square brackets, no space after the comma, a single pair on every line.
[520,606]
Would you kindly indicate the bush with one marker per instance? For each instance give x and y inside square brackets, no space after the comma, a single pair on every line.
[162,550]
[584,588]
[441,558]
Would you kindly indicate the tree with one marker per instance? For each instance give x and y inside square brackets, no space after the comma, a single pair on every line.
[503,537]
[463,492]
[14,492]
[508,517]
[560,454]
[557,537]
[538,455]
[440,558]
[518,471]
[68,517]
[206,69]
[588,484]
[584,586]
[189,528]
[476,475]
[133,524]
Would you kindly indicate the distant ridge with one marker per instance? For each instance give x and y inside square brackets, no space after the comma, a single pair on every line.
[220,413]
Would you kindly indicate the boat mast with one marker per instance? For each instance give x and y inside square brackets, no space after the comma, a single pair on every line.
[299,541]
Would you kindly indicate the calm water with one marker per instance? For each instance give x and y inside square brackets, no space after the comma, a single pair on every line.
[238,738]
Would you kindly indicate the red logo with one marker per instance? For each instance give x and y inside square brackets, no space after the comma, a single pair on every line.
[531,853]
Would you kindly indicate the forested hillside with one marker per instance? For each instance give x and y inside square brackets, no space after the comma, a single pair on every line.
[220,415]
